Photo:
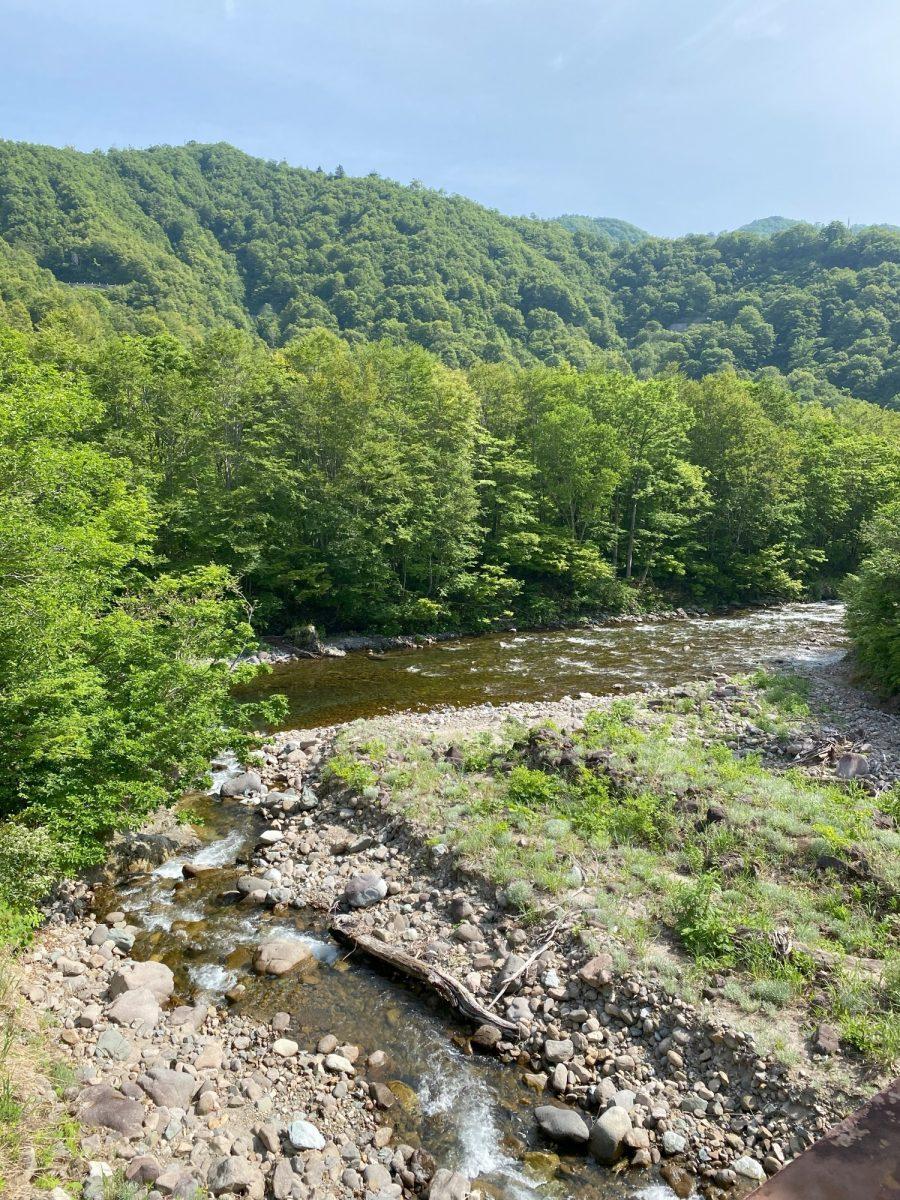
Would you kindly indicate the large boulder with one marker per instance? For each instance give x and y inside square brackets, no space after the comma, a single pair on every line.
[138,1007]
[561,1124]
[852,766]
[240,785]
[170,1089]
[234,1174]
[361,891]
[448,1185]
[111,1110]
[252,883]
[155,976]
[277,956]
[608,1134]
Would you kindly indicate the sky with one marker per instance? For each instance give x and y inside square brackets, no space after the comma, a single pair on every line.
[678,115]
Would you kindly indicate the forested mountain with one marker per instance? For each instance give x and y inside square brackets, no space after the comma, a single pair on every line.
[766,226]
[187,239]
[604,227]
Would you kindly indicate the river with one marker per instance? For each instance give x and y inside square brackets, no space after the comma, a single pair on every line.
[472,1112]
[549,665]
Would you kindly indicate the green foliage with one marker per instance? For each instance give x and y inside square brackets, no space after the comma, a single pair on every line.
[350,771]
[114,683]
[702,923]
[192,238]
[873,611]
[789,693]
[527,788]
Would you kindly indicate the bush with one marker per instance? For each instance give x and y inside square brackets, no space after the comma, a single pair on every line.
[702,923]
[348,770]
[531,789]
[873,600]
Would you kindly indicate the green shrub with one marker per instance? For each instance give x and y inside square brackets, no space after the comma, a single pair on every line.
[873,600]
[702,923]
[527,788]
[350,771]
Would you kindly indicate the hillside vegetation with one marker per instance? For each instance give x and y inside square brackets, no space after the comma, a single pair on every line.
[188,238]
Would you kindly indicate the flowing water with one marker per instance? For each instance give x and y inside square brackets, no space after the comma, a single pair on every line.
[472,1112]
[547,666]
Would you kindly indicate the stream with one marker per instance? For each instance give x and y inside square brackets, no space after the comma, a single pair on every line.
[505,667]
[471,1112]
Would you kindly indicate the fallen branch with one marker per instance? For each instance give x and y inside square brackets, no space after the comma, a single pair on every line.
[433,977]
[527,963]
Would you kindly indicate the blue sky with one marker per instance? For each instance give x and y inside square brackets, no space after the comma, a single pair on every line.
[679,115]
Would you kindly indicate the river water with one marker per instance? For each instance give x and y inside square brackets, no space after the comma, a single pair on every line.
[472,1112]
[549,665]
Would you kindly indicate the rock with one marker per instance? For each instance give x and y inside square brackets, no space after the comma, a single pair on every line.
[377,1177]
[558,1051]
[143,1168]
[155,976]
[99,935]
[240,785]
[283,1179]
[285,1048]
[362,891]
[826,1040]
[115,1111]
[303,1135]
[561,1124]
[268,1136]
[486,1036]
[512,969]
[270,837]
[542,1163]
[679,1180]
[139,1007]
[849,766]
[280,955]
[607,1136]
[339,1064]
[673,1143]
[519,1009]
[247,884]
[597,971]
[70,967]
[210,1057]
[178,1182]
[749,1168]
[406,1097]
[171,1089]
[467,933]
[234,1174]
[114,1045]
[382,1095]
[448,1185]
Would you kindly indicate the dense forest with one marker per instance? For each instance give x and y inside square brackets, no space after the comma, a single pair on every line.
[187,239]
[158,499]
[237,397]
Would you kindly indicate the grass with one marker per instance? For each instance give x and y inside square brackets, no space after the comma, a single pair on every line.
[685,841]
[30,1125]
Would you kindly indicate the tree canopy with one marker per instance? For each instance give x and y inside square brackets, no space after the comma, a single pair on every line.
[188,239]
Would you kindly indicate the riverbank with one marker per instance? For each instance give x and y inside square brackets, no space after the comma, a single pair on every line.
[611,1014]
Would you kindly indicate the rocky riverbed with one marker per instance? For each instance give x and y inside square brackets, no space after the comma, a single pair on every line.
[182,1092]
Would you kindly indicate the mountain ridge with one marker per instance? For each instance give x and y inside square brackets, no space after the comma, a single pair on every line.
[190,238]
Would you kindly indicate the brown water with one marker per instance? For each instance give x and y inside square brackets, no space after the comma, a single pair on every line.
[547,666]
[473,1113]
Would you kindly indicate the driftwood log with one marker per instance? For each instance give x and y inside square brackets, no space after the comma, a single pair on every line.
[434,978]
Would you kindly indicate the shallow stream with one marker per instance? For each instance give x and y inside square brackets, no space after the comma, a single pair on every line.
[473,1113]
